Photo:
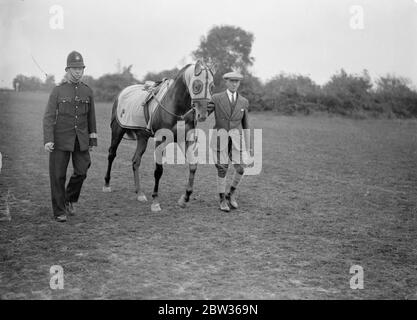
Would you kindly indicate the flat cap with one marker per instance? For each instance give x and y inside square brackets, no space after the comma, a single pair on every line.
[232,76]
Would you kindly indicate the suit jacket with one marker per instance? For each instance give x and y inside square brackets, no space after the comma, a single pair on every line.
[229,117]
[70,113]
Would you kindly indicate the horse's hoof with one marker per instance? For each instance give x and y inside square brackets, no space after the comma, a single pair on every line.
[156,207]
[142,198]
[106,189]
[181,202]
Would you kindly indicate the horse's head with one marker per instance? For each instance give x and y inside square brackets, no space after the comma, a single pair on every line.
[200,86]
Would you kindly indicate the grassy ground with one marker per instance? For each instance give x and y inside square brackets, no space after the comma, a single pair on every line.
[332,193]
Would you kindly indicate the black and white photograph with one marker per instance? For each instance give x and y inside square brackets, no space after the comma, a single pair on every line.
[222,151]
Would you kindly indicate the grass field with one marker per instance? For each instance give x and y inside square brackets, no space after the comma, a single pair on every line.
[332,193]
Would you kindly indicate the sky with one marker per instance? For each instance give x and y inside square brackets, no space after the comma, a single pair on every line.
[309,37]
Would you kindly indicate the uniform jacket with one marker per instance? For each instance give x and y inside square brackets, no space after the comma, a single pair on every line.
[69,114]
[228,117]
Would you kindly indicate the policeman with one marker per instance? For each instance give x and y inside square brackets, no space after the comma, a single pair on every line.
[69,129]
[231,115]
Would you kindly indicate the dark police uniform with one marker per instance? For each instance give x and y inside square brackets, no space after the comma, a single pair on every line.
[70,123]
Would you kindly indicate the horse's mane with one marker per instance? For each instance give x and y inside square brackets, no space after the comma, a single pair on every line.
[181,72]
[180,77]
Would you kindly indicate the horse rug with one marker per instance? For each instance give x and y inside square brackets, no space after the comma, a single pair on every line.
[134,100]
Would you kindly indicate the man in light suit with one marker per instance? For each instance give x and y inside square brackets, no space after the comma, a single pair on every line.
[231,115]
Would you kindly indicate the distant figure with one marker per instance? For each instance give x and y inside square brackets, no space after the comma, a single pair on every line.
[17,85]
[231,115]
[69,128]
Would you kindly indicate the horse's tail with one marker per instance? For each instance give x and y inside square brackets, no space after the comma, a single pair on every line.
[113,111]
[129,133]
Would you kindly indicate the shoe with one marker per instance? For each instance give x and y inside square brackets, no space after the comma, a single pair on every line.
[70,208]
[231,198]
[224,206]
[61,218]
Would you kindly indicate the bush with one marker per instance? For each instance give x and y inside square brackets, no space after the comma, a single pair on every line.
[344,94]
[24,83]
[107,87]
[252,89]
[395,94]
[290,94]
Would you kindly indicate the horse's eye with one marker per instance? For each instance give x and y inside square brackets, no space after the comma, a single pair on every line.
[197,86]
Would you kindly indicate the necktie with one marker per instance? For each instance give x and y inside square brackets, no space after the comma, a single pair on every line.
[232,98]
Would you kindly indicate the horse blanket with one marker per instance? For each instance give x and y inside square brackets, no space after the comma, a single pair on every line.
[133,100]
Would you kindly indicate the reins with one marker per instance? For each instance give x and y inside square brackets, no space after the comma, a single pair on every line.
[182,117]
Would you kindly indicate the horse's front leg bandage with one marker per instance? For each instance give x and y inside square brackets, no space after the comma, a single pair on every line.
[237,178]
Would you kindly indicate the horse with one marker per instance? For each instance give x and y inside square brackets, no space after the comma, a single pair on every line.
[186,99]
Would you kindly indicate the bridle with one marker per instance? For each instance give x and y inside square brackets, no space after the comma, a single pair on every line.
[190,110]
[181,117]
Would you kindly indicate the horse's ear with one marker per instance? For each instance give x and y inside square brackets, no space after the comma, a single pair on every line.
[213,68]
[198,67]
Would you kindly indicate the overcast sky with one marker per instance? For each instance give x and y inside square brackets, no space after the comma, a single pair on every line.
[309,37]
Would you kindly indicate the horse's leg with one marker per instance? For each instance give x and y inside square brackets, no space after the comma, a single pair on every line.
[159,170]
[117,133]
[142,142]
[185,198]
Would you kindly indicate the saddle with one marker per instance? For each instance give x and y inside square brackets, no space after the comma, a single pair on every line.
[136,104]
[153,88]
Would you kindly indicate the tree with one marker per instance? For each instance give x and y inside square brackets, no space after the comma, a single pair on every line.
[229,47]
[25,83]
[49,83]
[108,86]
[253,90]
[89,81]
